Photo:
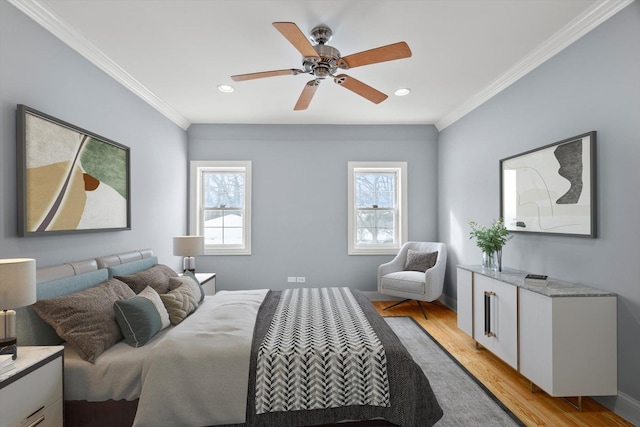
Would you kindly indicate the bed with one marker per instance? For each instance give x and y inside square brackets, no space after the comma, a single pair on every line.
[232,359]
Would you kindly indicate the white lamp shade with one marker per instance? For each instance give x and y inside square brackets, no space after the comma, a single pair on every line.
[17,282]
[188,245]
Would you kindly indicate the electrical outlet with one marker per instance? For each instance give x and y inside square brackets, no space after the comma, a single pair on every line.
[301,279]
[291,279]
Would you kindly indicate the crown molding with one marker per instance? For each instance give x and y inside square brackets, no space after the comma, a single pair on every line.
[80,44]
[581,25]
[588,20]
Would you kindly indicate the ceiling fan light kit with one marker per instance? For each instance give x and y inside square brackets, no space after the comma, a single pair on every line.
[322,61]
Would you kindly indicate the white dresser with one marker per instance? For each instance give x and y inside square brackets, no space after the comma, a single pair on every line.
[562,337]
[31,392]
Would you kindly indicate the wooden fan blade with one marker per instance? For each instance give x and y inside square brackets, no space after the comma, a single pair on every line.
[380,54]
[296,37]
[360,88]
[263,74]
[306,95]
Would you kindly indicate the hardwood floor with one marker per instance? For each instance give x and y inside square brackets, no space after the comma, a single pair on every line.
[534,409]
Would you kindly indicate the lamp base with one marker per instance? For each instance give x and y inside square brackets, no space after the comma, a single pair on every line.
[9,345]
[189,264]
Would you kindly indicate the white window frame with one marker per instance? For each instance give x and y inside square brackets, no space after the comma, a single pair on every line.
[401,211]
[196,222]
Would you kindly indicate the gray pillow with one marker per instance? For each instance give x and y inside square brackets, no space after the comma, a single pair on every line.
[86,319]
[132,267]
[157,277]
[32,330]
[141,317]
[193,276]
[420,261]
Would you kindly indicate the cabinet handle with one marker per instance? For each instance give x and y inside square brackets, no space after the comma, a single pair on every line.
[36,422]
[487,313]
[32,414]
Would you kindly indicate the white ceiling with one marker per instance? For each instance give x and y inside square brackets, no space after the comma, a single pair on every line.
[174,53]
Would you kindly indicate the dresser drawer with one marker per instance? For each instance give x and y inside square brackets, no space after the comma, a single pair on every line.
[50,416]
[37,394]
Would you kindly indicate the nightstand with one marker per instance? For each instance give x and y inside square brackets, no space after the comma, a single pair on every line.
[31,392]
[208,282]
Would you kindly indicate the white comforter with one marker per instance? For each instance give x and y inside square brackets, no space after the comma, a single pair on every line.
[114,376]
[198,373]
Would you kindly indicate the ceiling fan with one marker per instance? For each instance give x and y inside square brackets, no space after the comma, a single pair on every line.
[322,61]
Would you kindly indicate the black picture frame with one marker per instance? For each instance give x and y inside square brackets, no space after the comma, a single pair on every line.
[551,189]
[70,180]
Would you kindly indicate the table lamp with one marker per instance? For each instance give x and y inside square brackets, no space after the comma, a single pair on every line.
[188,247]
[17,289]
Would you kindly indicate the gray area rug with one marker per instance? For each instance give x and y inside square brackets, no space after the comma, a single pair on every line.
[464,400]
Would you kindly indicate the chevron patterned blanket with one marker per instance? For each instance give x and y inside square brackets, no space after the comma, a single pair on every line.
[412,401]
[320,352]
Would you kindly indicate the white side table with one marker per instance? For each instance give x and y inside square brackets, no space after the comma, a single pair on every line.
[31,392]
[208,282]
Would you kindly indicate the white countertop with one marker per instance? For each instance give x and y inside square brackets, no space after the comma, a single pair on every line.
[29,356]
[554,288]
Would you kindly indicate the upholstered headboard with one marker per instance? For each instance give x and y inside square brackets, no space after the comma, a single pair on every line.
[72,277]
[69,269]
[56,272]
[123,258]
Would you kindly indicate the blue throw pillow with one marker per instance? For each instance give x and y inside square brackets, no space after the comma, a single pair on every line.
[141,317]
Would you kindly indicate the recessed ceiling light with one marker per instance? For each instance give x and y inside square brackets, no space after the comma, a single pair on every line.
[402,92]
[225,88]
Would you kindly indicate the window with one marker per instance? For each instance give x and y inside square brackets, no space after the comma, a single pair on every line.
[221,206]
[377,207]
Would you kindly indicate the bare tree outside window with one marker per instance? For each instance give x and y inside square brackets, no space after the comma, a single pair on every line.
[377,207]
[223,195]
[223,205]
[375,204]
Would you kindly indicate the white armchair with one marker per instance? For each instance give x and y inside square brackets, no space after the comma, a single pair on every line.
[394,280]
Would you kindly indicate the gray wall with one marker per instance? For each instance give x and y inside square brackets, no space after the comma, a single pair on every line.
[299,204]
[38,70]
[593,85]
[299,173]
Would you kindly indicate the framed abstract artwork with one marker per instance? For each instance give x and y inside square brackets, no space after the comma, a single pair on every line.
[70,180]
[551,189]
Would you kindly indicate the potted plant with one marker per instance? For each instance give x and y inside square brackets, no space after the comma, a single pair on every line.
[490,240]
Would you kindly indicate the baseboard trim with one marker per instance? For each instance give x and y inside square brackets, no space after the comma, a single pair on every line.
[449,302]
[623,405]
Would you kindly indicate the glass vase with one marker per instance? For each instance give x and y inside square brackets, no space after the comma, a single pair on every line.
[489,261]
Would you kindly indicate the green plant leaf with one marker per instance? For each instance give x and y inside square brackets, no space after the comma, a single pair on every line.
[490,239]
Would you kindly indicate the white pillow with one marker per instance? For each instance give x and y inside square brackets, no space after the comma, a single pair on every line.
[153,296]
